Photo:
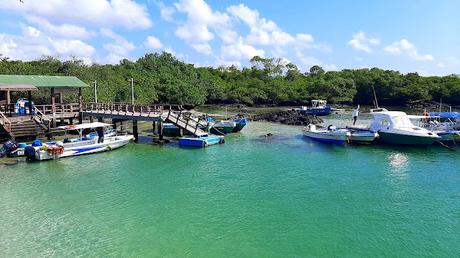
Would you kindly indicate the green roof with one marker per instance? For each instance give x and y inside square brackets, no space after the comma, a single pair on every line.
[43,81]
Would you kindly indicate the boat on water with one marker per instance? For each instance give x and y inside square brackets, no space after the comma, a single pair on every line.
[223,127]
[19,150]
[77,146]
[240,123]
[395,127]
[318,108]
[445,124]
[362,135]
[329,135]
[201,141]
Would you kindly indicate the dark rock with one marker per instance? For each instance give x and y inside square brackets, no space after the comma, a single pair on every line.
[290,117]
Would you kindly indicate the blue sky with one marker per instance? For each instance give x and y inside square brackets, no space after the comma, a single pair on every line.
[421,36]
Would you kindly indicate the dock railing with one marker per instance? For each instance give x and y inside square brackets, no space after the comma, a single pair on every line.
[5,122]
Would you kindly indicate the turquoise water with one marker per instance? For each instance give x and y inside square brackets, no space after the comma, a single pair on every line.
[283,196]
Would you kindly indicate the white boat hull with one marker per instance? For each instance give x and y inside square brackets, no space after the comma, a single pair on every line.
[329,136]
[363,136]
[110,143]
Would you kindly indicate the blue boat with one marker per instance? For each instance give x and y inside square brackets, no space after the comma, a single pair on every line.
[201,141]
[318,108]
[240,124]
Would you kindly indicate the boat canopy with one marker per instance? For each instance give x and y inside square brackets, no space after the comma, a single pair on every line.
[446,115]
[84,126]
[318,103]
[394,119]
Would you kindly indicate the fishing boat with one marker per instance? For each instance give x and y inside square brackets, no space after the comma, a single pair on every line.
[318,108]
[223,127]
[395,127]
[239,124]
[201,141]
[77,146]
[329,135]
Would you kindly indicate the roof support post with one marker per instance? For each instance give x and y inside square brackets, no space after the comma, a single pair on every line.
[53,107]
[80,106]
[29,98]
[8,97]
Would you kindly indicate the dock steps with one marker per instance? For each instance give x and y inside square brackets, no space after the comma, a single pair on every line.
[186,123]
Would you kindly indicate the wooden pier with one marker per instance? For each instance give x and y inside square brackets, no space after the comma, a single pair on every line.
[158,114]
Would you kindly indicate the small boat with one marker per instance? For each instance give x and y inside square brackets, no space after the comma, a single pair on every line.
[329,135]
[223,127]
[201,141]
[395,127]
[362,136]
[318,108]
[240,124]
[76,147]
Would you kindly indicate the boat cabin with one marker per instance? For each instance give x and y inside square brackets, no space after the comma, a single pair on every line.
[317,103]
[390,119]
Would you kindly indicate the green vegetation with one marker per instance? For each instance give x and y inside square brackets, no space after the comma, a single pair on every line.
[161,78]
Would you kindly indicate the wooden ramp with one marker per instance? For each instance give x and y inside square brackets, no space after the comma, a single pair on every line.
[186,123]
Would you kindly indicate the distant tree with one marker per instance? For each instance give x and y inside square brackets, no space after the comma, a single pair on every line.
[316,70]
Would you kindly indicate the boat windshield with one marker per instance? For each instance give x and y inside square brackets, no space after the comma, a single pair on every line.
[402,121]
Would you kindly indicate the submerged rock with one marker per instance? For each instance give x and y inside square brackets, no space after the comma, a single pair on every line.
[290,117]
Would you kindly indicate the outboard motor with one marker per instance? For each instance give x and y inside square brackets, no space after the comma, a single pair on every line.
[29,152]
[7,148]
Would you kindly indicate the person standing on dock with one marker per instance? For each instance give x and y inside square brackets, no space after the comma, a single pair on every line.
[355,114]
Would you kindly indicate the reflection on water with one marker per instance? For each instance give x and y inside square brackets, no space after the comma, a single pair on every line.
[399,162]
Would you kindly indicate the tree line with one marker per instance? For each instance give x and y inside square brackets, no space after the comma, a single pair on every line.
[162,78]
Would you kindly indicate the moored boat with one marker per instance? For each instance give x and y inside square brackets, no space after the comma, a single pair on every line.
[395,127]
[318,108]
[76,147]
[329,135]
[239,124]
[201,141]
[223,127]
[362,136]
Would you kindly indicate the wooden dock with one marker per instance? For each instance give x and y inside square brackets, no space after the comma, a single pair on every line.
[43,118]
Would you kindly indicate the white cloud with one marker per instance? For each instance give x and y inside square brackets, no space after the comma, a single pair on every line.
[119,48]
[64,30]
[153,42]
[201,19]
[404,47]
[203,48]
[33,44]
[262,31]
[360,42]
[125,13]
[240,51]
[166,12]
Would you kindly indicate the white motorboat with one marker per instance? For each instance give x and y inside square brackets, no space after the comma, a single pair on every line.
[362,136]
[395,127]
[329,135]
[83,139]
[76,147]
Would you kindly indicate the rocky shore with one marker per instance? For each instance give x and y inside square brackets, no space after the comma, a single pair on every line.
[289,117]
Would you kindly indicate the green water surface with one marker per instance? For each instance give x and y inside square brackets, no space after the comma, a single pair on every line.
[282,196]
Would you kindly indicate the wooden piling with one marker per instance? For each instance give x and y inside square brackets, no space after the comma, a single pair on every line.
[135,131]
[160,130]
